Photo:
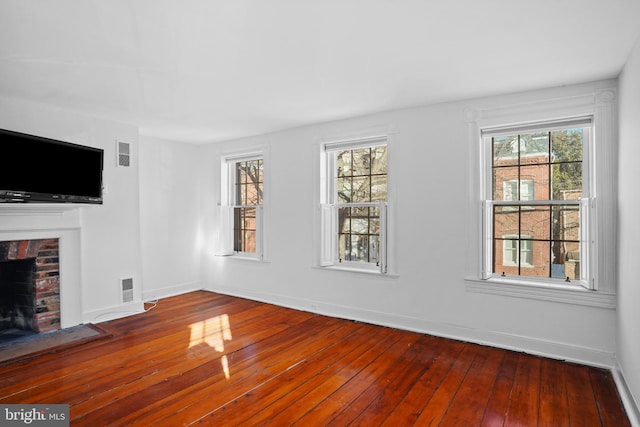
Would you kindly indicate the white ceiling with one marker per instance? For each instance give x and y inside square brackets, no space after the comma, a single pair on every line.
[210,70]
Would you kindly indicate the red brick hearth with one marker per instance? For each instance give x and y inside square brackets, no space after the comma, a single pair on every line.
[46,277]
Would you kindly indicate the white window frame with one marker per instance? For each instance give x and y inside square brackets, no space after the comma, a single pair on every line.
[327,253]
[598,209]
[228,204]
[486,193]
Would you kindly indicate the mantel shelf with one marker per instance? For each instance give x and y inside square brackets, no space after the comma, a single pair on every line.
[39,208]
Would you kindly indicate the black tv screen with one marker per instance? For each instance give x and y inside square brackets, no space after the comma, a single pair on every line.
[43,170]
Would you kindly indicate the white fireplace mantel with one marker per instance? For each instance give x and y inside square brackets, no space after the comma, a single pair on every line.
[38,208]
[61,221]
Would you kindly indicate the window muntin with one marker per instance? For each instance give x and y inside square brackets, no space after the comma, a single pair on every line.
[536,210]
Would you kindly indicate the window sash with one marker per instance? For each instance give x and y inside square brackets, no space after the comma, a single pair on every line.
[228,227]
[330,237]
[586,255]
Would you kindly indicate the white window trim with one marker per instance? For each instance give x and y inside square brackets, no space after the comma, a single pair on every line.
[599,104]
[325,253]
[227,205]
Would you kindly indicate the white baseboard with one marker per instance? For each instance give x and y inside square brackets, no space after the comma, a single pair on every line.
[171,291]
[519,343]
[630,404]
[114,312]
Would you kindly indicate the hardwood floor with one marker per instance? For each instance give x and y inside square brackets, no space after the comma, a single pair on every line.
[209,359]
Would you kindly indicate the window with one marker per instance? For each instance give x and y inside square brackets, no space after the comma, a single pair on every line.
[538,193]
[243,188]
[570,218]
[354,204]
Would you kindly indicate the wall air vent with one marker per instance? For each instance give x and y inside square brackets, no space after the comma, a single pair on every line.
[127,289]
[124,154]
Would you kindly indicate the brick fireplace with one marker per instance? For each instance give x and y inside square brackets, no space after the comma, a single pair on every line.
[44,278]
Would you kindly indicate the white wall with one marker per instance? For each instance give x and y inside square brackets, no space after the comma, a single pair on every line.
[109,233]
[170,217]
[429,169]
[628,342]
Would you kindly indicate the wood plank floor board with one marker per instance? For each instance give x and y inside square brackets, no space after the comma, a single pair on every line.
[439,359]
[437,406]
[400,381]
[210,359]
[254,363]
[269,399]
[469,403]
[337,408]
[496,411]
[311,394]
[552,412]
[608,398]
[583,409]
[525,395]
[261,389]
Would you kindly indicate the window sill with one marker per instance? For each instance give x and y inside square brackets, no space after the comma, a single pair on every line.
[369,272]
[243,258]
[567,294]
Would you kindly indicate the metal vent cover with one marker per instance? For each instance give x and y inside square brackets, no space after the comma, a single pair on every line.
[124,154]
[127,289]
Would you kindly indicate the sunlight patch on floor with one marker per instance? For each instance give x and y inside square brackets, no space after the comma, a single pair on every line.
[213,332]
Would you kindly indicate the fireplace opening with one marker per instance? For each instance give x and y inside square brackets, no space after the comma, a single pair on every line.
[29,287]
[17,298]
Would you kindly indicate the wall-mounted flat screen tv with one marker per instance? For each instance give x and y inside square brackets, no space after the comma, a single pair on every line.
[42,170]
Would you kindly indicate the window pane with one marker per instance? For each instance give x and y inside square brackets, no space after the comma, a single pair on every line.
[566,223]
[361,189]
[359,248]
[502,176]
[566,260]
[379,160]
[539,264]
[536,222]
[506,221]
[505,150]
[361,161]
[378,188]
[567,181]
[343,159]
[566,145]
[539,176]
[534,148]
[244,229]
[344,220]
[344,190]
